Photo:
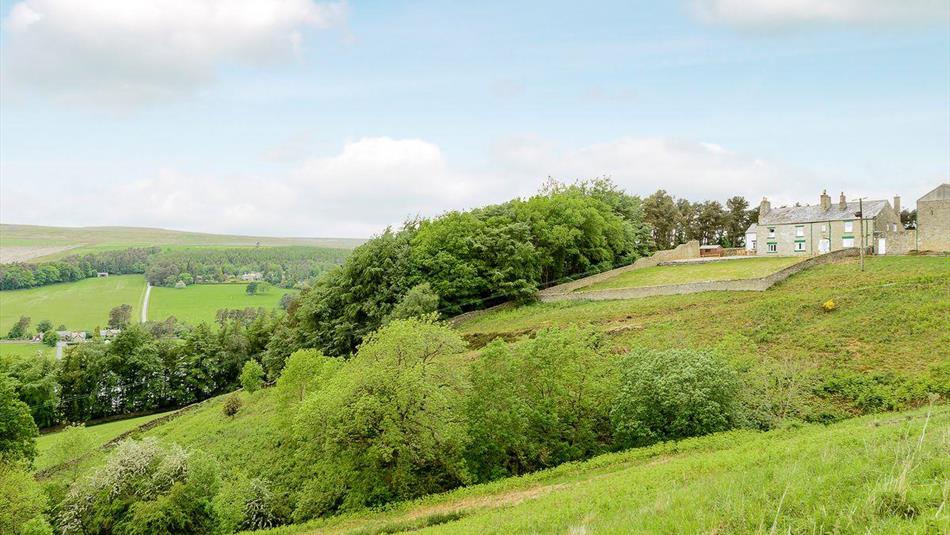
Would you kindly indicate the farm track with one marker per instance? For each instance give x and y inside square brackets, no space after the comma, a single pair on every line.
[148,293]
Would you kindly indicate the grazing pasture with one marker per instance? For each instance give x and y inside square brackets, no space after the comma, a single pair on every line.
[94,436]
[734,269]
[80,305]
[200,302]
[11,351]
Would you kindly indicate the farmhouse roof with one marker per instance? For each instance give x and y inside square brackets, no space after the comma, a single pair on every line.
[752,229]
[814,213]
[940,193]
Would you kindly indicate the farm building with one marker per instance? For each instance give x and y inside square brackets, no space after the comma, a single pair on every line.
[933,220]
[102,273]
[252,276]
[109,333]
[826,226]
[71,337]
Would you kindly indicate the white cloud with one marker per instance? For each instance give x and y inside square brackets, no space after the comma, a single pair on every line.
[133,51]
[374,182]
[771,14]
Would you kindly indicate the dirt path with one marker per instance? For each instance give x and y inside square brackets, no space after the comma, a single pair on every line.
[148,293]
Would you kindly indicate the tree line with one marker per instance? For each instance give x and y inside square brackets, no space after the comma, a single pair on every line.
[75,267]
[674,221]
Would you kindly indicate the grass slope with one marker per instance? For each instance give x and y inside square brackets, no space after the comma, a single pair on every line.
[895,316]
[888,473]
[743,268]
[43,241]
[83,304]
[200,302]
[99,434]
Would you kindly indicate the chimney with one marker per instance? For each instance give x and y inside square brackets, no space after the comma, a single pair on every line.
[897,203]
[825,200]
[764,207]
[842,203]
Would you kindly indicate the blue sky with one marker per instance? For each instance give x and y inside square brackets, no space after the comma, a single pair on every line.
[293,117]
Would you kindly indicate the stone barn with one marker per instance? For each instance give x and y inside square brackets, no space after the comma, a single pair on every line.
[933,220]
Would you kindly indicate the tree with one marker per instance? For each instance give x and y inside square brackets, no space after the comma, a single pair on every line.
[285,301]
[539,402]
[20,329]
[419,301]
[251,288]
[737,221]
[389,425]
[120,317]
[306,371]
[252,376]
[44,325]
[661,214]
[71,443]
[673,394]
[18,431]
[50,338]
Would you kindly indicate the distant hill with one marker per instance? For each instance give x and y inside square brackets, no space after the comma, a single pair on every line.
[20,243]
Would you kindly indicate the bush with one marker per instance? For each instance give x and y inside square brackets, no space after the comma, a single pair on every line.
[18,431]
[232,404]
[143,488]
[252,376]
[389,425]
[22,501]
[305,372]
[539,402]
[50,338]
[673,394]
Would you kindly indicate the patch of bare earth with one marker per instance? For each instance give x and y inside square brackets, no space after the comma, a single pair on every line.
[9,255]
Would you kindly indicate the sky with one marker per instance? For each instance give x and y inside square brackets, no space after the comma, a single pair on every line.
[306,118]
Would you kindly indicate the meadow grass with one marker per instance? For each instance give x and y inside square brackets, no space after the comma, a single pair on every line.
[742,268]
[13,351]
[97,436]
[887,473]
[200,302]
[80,305]
[894,316]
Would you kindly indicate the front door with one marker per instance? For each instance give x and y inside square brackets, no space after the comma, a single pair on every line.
[881,249]
[824,246]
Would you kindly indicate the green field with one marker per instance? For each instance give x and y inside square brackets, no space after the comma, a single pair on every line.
[10,351]
[200,302]
[81,305]
[97,435]
[18,240]
[745,268]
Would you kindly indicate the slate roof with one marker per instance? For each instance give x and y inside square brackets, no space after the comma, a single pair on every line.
[752,228]
[814,213]
[940,193]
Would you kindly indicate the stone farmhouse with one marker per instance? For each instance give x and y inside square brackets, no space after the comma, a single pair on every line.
[826,226]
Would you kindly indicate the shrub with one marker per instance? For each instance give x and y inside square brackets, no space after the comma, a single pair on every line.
[50,338]
[143,488]
[180,285]
[539,402]
[389,425]
[22,501]
[252,376]
[673,394]
[247,504]
[232,404]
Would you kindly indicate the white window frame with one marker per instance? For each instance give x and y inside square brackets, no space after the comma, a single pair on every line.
[849,226]
[771,247]
[771,232]
[800,231]
[824,227]
[847,242]
[799,247]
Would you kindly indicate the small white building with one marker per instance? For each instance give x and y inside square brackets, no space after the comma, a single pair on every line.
[102,274]
[750,238]
[252,276]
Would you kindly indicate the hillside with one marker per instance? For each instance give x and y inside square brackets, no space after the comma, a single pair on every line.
[20,243]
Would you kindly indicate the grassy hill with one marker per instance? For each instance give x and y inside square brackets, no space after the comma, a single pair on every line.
[11,351]
[83,304]
[29,242]
[200,302]
[741,268]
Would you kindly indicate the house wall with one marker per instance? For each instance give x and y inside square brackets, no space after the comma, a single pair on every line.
[786,236]
[933,224]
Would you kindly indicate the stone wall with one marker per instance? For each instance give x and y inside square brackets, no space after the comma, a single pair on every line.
[933,220]
[746,285]
[680,252]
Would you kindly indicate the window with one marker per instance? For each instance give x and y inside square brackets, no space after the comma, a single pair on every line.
[771,232]
[824,228]
[847,242]
[849,226]
[773,247]
[800,231]
[799,246]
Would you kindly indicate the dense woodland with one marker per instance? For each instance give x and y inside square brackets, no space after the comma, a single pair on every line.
[282,266]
